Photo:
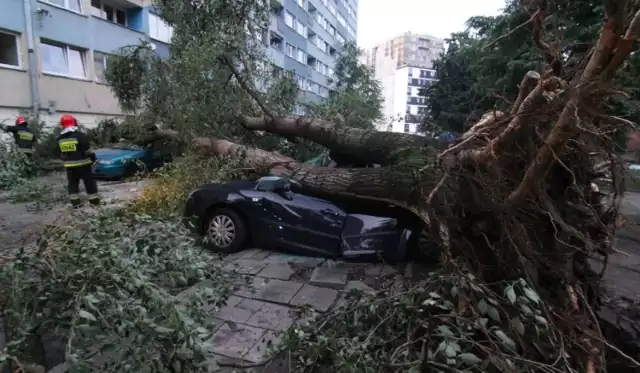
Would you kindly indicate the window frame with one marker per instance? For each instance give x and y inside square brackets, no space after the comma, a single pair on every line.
[301,54]
[293,19]
[115,9]
[293,49]
[105,57]
[65,48]
[16,38]
[66,5]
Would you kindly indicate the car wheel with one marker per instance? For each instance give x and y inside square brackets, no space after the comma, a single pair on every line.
[225,231]
[131,170]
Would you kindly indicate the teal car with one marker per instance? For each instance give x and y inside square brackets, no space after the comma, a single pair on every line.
[126,160]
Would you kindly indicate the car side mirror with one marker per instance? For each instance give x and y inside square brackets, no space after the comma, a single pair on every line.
[283,188]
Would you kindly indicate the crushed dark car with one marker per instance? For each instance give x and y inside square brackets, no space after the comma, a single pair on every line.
[277,213]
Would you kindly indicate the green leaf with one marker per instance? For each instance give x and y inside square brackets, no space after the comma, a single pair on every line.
[450,351]
[517,324]
[454,291]
[445,331]
[526,309]
[531,294]
[469,359]
[541,320]
[493,313]
[506,341]
[87,315]
[482,307]
[163,330]
[511,294]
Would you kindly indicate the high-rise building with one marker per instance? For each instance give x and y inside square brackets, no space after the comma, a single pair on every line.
[404,65]
[53,53]
[306,36]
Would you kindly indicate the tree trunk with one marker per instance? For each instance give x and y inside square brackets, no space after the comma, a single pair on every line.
[369,146]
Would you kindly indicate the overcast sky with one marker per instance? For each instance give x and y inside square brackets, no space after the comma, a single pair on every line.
[379,20]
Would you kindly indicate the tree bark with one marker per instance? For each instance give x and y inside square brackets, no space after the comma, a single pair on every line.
[369,146]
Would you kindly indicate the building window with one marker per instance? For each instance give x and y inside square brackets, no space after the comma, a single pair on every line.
[408,91]
[9,50]
[159,29]
[99,66]
[108,12]
[341,20]
[74,5]
[275,41]
[407,128]
[288,19]
[62,60]
[291,51]
[332,7]
[301,28]
[302,56]
[340,38]
[351,12]
[351,31]
[302,3]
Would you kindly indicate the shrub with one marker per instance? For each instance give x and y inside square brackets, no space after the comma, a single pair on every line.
[109,288]
[172,183]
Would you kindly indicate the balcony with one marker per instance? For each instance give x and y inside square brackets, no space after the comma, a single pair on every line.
[277,6]
[121,12]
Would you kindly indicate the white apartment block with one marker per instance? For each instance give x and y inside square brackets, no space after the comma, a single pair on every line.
[404,65]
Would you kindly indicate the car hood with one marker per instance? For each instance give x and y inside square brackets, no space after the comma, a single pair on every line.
[115,154]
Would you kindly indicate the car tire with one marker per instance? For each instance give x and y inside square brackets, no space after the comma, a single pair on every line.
[131,170]
[229,221]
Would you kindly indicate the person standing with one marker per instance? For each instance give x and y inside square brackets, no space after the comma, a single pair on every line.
[74,148]
[23,136]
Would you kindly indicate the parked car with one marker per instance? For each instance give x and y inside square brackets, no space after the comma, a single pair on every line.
[275,212]
[125,160]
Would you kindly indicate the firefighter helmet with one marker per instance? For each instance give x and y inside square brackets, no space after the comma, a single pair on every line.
[67,121]
[20,120]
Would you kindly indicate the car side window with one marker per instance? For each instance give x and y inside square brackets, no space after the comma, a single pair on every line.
[267,184]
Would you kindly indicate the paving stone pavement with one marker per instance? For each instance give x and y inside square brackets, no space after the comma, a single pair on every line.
[278,286]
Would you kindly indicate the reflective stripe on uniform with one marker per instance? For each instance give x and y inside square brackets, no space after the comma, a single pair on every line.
[74,196]
[81,162]
[24,135]
[68,145]
[25,150]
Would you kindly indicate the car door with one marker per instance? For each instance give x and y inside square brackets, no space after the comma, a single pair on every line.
[303,223]
[152,157]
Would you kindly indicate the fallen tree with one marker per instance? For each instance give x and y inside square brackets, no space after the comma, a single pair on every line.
[516,197]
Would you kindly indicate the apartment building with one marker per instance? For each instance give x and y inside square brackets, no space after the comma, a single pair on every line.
[404,65]
[306,36]
[53,54]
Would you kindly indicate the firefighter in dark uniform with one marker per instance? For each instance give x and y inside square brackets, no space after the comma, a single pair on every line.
[22,135]
[75,151]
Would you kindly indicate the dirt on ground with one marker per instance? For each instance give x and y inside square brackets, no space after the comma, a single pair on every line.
[20,225]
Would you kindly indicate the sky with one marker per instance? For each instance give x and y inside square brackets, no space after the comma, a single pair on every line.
[379,20]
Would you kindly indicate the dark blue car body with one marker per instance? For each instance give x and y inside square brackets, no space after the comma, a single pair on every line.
[118,162]
[306,224]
